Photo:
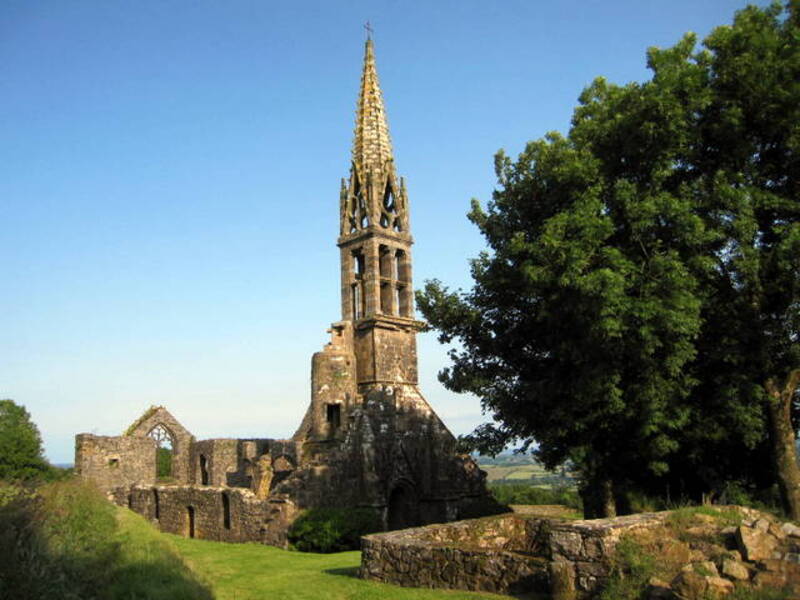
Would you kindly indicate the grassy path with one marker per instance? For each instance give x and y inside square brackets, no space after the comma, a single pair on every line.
[252,571]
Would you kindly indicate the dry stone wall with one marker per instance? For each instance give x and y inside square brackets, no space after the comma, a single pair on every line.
[505,554]
[511,554]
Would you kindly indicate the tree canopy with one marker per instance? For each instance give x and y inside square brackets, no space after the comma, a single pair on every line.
[638,308]
[21,456]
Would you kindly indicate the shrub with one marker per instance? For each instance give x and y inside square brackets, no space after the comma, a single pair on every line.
[332,529]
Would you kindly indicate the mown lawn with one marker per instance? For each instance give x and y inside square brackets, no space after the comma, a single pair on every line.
[252,571]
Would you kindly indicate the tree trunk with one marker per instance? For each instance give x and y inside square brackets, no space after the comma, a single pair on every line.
[598,498]
[783,442]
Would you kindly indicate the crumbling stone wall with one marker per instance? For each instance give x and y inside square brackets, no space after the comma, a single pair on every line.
[514,554]
[507,554]
[215,460]
[220,514]
[481,554]
[112,462]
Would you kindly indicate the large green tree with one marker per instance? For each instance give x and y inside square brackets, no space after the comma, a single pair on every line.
[21,456]
[637,309]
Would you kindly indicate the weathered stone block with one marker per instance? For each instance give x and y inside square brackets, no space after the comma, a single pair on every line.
[755,544]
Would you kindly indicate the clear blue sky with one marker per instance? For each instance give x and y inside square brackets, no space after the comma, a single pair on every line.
[169,180]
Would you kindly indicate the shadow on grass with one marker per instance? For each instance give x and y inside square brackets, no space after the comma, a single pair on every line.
[155,581]
[344,572]
[63,541]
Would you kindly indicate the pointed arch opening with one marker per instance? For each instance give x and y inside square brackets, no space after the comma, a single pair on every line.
[402,509]
[165,450]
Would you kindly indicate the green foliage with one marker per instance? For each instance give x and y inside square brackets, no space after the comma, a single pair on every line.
[332,529]
[21,456]
[632,568]
[642,278]
[63,541]
[164,462]
[511,493]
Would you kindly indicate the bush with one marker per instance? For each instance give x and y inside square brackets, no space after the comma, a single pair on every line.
[332,529]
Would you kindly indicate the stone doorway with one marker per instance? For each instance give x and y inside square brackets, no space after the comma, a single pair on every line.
[402,509]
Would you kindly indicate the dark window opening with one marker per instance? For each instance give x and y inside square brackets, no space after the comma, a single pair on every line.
[226,511]
[156,505]
[388,199]
[203,470]
[334,415]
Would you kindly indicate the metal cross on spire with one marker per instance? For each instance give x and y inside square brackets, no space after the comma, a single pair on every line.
[369,29]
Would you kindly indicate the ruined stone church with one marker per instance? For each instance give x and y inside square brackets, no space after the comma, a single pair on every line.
[368,439]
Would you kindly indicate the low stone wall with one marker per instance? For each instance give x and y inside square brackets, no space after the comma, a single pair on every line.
[480,554]
[212,513]
[507,554]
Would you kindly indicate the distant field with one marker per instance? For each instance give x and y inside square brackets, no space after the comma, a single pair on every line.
[523,469]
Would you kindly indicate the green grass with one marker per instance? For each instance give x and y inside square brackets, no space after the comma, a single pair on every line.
[149,565]
[252,571]
[65,541]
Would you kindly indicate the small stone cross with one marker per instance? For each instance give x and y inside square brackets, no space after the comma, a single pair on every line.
[368,27]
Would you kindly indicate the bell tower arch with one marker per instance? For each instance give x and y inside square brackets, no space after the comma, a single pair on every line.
[375,247]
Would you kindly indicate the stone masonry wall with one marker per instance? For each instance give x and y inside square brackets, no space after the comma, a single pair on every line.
[182,440]
[218,458]
[507,554]
[220,514]
[480,554]
[115,461]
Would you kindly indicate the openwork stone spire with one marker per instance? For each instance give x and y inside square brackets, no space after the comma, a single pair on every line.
[374,197]
[372,147]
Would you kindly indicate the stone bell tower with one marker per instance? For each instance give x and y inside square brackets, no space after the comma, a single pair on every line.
[375,243]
